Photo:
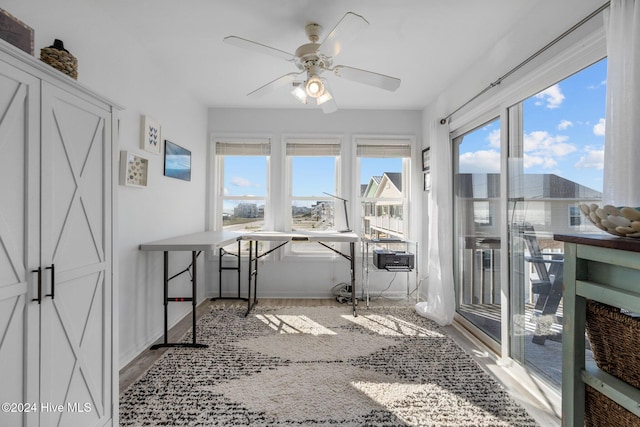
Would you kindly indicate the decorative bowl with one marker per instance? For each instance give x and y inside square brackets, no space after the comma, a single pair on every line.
[620,221]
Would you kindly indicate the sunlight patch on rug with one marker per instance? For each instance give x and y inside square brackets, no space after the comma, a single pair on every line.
[391,326]
[293,324]
[434,403]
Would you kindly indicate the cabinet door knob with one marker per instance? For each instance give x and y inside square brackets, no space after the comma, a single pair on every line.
[53,280]
[39,271]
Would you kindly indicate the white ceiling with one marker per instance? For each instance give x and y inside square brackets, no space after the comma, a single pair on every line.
[425,43]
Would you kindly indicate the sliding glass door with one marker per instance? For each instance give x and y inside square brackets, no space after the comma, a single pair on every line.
[556,149]
[550,146]
[477,228]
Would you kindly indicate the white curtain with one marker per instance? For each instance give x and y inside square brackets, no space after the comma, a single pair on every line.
[439,304]
[622,137]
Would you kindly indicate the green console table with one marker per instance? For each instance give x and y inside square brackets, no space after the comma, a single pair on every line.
[606,269]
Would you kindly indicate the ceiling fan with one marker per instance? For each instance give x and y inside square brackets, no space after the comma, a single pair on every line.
[313,59]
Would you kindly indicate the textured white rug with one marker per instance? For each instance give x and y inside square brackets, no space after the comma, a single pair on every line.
[318,366]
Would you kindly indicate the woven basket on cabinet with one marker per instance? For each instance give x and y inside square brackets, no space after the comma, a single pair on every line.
[60,59]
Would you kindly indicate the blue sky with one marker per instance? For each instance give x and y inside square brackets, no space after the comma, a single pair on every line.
[563,131]
[246,175]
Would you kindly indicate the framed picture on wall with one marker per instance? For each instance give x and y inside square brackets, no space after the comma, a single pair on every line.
[426,159]
[150,135]
[133,170]
[177,161]
[427,181]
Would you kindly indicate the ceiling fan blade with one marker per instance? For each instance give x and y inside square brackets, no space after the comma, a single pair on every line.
[259,47]
[367,77]
[274,85]
[345,30]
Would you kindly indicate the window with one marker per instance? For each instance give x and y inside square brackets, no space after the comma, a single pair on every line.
[313,171]
[243,191]
[575,216]
[384,166]
[482,213]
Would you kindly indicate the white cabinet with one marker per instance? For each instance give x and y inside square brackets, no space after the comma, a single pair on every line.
[57,365]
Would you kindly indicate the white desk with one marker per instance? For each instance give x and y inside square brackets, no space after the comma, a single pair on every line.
[194,243]
[212,240]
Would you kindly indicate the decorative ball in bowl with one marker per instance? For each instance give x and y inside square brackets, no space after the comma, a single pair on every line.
[620,221]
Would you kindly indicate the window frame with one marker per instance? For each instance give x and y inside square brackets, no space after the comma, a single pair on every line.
[301,141]
[382,141]
[217,180]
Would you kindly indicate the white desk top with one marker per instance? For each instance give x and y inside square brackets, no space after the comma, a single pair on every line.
[210,240]
[205,240]
[309,236]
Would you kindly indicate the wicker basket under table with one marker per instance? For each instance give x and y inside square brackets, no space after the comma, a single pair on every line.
[615,342]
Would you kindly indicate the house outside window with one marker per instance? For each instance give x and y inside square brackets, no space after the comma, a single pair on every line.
[384,170]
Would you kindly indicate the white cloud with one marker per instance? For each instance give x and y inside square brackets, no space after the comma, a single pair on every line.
[241,182]
[593,159]
[599,128]
[545,162]
[494,138]
[542,143]
[565,124]
[543,149]
[482,161]
[553,97]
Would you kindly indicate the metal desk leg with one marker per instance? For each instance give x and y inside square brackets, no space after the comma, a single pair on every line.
[253,275]
[352,262]
[166,296]
[193,299]
[237,269]
[194,287]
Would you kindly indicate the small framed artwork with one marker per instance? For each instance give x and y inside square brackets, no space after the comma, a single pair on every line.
[427,181]
[426,159]
[150,135]
[177,161]
[133,169]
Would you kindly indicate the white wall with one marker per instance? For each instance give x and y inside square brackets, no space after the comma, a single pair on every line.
[294,277]
[117,67]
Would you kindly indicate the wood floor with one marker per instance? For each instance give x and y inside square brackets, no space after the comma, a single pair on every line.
[538,407]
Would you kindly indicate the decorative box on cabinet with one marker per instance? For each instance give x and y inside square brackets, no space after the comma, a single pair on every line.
[606,269]
[57,323]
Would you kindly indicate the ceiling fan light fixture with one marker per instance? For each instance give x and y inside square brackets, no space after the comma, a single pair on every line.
[299,93]
[326,96]
[314,87]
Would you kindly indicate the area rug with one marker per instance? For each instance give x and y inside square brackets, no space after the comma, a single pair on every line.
[318,366]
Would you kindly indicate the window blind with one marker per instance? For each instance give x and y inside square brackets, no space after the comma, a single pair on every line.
[383,150]
[243,148]
[329,147]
